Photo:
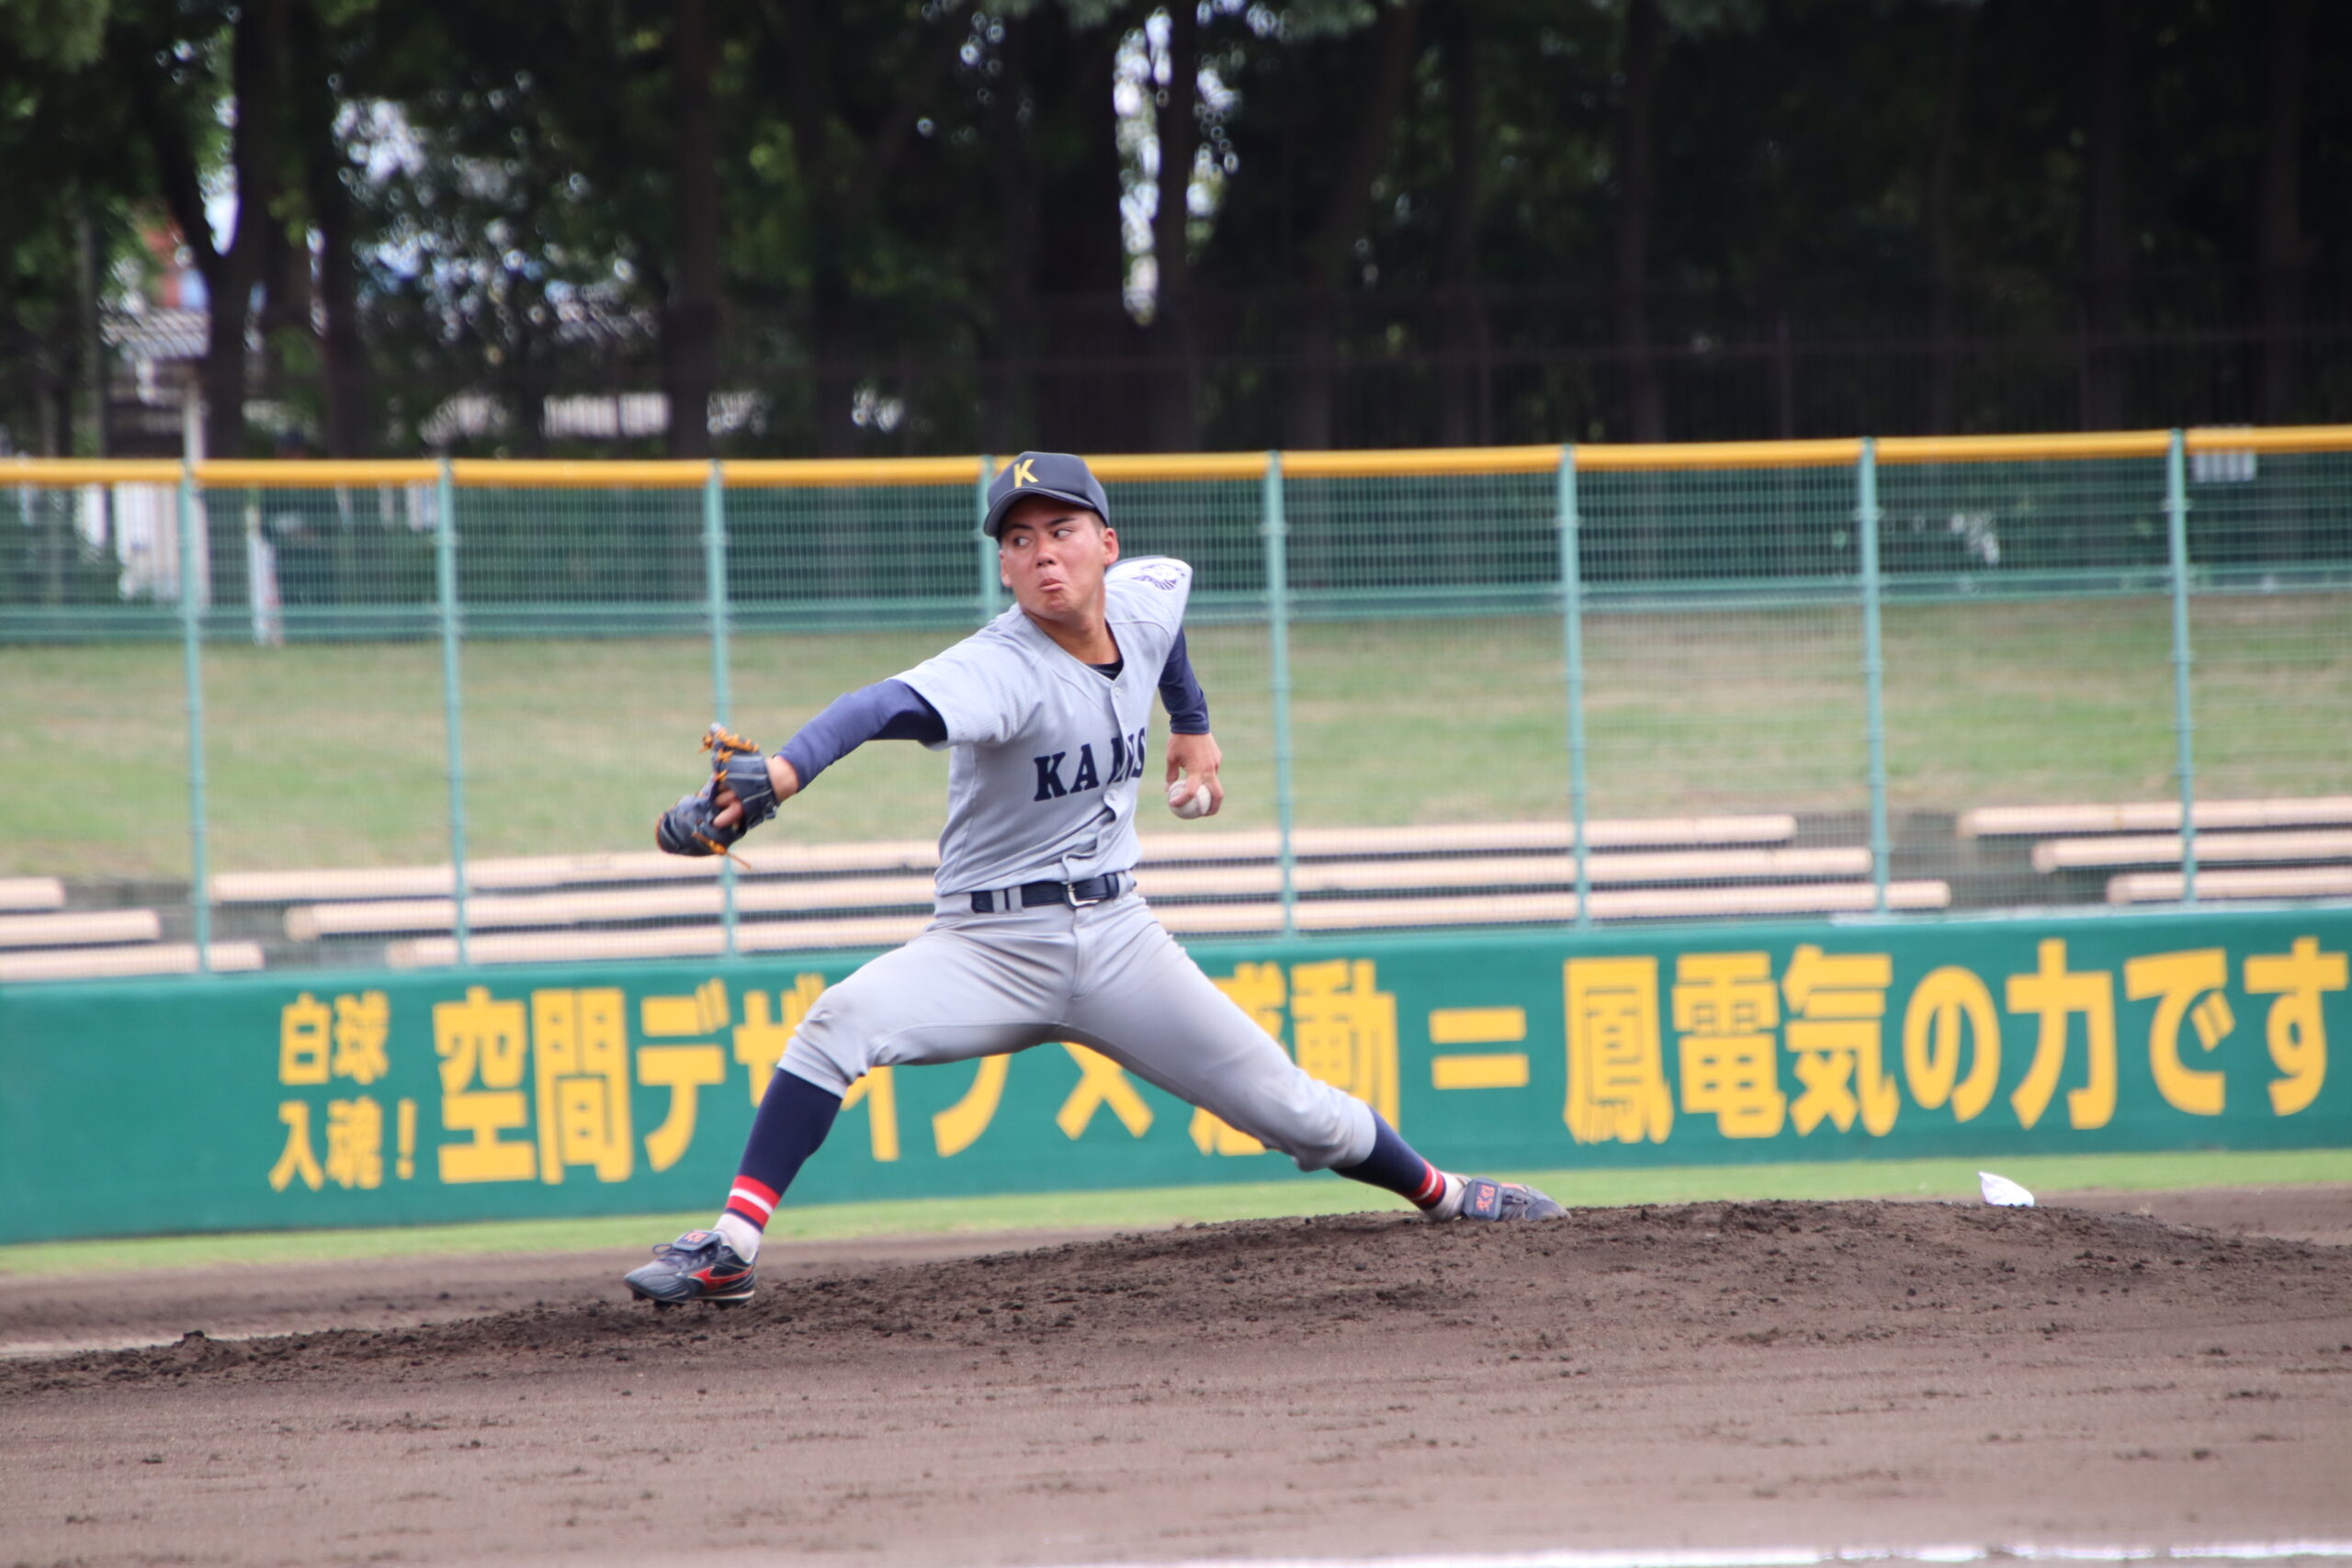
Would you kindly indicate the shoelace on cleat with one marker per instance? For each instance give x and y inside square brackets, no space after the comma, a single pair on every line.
[665,1250]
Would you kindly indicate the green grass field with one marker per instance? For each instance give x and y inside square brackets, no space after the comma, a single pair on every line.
[1176,1206]
[334,755]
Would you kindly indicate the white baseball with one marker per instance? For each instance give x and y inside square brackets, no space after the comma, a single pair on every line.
[1189,798]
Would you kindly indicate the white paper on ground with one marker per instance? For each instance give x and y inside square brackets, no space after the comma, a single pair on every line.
[2001,1190]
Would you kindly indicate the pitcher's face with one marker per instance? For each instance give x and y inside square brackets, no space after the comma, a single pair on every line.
[1052,555]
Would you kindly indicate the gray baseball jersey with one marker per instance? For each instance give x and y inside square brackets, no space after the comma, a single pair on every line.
[1042,787]
[1046,752]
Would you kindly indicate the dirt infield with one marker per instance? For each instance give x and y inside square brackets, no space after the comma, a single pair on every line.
[1701,1375]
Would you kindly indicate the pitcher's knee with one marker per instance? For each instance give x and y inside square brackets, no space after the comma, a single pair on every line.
[829,1049]
[1317,1125]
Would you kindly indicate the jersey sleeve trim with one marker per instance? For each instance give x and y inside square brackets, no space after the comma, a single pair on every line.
[888,710]
[1181,693]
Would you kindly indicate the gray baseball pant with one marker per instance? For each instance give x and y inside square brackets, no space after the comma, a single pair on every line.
[1104,976]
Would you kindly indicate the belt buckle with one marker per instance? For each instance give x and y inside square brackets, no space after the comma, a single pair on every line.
[1069,891]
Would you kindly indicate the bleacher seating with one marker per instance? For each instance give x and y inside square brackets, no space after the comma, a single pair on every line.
[80,928]
[2153,817]
[1163,882]
[20,893]
[2277,882]
[142,958]
[766,859]
[1203,883]
[2290,848]
[1184,919]
[58,943]
[561,871]
[2299,846]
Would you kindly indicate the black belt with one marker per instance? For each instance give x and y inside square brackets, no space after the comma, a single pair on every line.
[1092,890]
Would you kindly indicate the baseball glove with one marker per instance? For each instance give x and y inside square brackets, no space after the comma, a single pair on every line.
[691,827]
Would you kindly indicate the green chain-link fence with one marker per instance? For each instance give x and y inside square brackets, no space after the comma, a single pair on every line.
[1530,685]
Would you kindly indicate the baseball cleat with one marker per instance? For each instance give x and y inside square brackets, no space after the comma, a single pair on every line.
[1486,1199]
[697,1266]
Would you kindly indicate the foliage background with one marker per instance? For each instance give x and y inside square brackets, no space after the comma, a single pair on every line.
[930,225]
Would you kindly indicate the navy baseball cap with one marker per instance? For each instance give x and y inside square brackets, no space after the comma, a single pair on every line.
[1055,474]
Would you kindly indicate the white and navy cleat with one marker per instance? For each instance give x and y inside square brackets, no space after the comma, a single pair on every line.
[697,1266]
[1484,1198]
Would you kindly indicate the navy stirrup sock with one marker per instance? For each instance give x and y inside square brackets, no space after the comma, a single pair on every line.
[1393,1165]
[794,1117]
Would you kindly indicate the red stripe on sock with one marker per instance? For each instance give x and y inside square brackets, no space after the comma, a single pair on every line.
[754,1201]
[1432,1188]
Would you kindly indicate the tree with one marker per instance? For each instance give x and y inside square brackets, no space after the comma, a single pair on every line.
[1943,261]
[54,35]
[1053,140]
[1175,424]
[319,85]
[1341,216]
[866,98]
[171,61]
[1636,164]
[2107,243]
[2282,249]
[690,317]
[1465,392]
[62,211]
[529,204]
[898,221]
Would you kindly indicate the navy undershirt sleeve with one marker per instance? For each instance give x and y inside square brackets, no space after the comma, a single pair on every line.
[888,710]
[1180,691]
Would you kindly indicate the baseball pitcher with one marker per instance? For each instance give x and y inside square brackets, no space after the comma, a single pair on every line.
[1040,934]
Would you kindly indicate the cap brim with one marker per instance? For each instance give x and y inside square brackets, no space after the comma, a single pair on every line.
[1004,503]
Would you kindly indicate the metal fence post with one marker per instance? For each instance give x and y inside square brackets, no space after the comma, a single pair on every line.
[445,575]
[1572,642]
[199,893]
[989,587]
[1277,537]
[1874,665]
[713,566]
[2183,719]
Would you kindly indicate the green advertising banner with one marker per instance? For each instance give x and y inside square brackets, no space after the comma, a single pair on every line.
[321,1099]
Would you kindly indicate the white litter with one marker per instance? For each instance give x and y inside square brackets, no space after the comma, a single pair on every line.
[2003,1192]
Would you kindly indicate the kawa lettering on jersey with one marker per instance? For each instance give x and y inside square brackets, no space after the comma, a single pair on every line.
[1127,762]
[1046,751]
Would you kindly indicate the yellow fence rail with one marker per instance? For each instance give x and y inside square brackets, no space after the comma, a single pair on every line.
[484,473]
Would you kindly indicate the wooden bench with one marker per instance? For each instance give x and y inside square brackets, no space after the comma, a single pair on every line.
[1554,909]
[561,871]
[2212,849]
[665,942]
[2275,882]
[107,963]
[772,859]
[80,928]
[873,894]
[389,916]
[2153,817]
[1191,920]
[1542,871]
[1483,838]
[32,893]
